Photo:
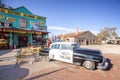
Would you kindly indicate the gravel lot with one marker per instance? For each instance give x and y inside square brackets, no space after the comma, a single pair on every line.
[107,48]
[55,70]
[65,71]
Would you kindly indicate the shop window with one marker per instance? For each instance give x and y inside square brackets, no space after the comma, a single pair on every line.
[10,24]
[94,41]
[91,41]
[6,24]
[2,23]
[23,23]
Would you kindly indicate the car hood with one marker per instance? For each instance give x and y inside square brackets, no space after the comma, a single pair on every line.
[88,51]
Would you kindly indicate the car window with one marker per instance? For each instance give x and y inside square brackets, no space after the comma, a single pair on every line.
[55,46]
[75,46]
[65,46]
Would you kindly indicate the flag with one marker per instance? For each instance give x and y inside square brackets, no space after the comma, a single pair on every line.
[76,34]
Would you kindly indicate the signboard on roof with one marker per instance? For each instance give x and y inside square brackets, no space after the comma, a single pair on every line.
[37,27]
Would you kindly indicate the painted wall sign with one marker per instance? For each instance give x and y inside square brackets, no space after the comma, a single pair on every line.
[37,27]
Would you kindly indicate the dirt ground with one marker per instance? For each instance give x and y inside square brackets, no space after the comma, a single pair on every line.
[54,70]
[65,71]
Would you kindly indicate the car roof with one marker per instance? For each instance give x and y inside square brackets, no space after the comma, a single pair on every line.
[64,43]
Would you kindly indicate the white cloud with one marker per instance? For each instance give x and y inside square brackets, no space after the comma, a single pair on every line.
[95,32]
[61,28]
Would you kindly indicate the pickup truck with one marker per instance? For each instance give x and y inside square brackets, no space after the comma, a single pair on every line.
[72,53]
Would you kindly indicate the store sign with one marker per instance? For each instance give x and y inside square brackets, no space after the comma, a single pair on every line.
[37,27]
[15,31]
[32,16]
[19,31]
[21,14]
[30,32]
[40,23]
[38,32]
[2,10]
[10,19]
[1,16]
[7,30]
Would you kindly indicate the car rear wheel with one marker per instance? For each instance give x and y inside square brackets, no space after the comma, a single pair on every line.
[90,65]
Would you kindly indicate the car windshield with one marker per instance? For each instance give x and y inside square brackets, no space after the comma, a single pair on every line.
[70,46]
[75,46]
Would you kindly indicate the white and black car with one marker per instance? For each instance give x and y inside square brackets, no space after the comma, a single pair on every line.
[72,53]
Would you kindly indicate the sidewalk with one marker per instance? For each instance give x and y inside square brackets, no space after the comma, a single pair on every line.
[8,53]
[7,58]
[10,71]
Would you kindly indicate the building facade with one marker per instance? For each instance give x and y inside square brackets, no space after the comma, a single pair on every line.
[19,27]
[83,38]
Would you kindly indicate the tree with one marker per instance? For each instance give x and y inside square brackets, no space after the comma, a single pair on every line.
[107,33]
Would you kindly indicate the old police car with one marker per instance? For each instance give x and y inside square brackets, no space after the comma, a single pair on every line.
[72,53]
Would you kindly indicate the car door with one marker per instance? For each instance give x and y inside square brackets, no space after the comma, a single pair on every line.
[66,54]
[54,51]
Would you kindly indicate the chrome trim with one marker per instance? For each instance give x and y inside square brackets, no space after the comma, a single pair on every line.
[103,65]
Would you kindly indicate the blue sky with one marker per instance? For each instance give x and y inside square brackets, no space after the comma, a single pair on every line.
[64,16]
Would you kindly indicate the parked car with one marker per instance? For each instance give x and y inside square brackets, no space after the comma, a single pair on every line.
[110,42]
[72,53]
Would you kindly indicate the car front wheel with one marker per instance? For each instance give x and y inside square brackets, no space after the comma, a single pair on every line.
[90,65]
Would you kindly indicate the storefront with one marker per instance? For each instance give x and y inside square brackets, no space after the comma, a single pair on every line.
[20,27]
[20,38]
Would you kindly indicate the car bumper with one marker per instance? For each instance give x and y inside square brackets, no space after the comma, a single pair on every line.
[104,65]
